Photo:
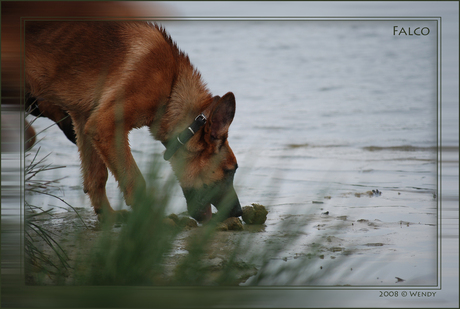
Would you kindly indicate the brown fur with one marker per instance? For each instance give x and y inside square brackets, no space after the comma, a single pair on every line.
[112,77]
[13,13]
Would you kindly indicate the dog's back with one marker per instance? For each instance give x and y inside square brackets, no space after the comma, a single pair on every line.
[14,13]
[78,64]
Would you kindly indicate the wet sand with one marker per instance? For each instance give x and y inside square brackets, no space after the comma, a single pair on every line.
[323,247]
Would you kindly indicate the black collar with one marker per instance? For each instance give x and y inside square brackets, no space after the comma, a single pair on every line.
[183,137]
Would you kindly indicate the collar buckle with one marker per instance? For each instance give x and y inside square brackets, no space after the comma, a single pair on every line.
[201,117]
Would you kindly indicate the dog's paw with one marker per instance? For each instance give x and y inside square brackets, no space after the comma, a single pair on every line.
[113,217]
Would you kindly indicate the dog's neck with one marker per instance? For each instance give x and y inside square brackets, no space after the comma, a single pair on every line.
[189,98]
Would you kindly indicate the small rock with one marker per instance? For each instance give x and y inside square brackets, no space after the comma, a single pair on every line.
[174,217]
[255,214]
[234,224]
[222,227]
[170,222]
[248,214]
[187,222]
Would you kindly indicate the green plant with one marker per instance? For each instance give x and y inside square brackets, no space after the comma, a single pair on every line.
[37,258]
[134,255]
[34,215]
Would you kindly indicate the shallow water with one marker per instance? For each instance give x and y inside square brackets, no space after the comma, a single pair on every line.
[324,109]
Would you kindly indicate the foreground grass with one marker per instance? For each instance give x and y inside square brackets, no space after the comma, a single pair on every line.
[134,256]
[37,260]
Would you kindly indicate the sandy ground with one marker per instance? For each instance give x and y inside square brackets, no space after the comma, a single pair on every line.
[78,234]
[323,247]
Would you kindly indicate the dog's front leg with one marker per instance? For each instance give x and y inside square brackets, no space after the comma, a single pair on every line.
[94,170]
[110,138]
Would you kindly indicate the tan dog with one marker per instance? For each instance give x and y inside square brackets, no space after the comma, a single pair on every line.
[111,77]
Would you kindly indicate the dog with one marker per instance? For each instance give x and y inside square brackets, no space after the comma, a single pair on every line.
[114,76]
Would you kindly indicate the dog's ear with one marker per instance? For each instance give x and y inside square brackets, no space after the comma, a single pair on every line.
[222,115]
[215,99]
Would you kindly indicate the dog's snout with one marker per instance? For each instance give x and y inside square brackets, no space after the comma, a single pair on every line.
[236,210]
[221,195]
[230,202]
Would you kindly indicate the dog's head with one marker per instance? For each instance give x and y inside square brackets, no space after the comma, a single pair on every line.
[205,165]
